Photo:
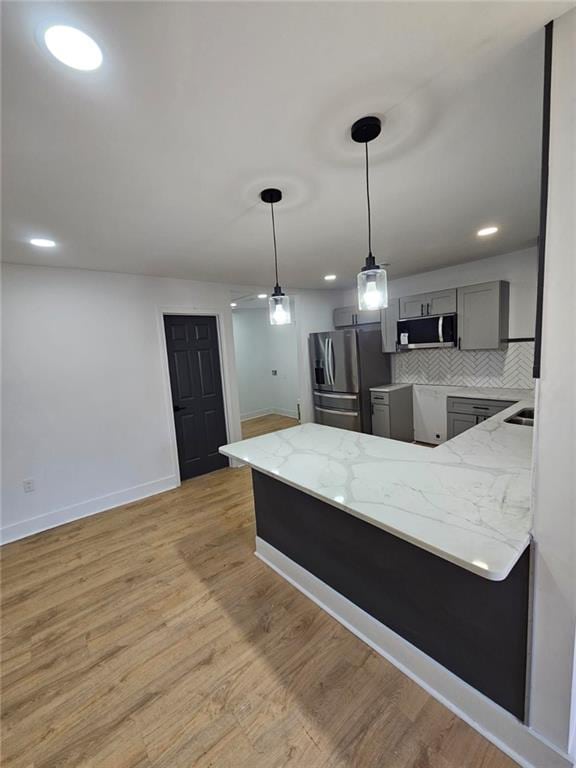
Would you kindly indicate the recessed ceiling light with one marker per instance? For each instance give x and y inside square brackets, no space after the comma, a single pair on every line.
[262,295]
[485,231]
[73,47]
[42,242]
[233,304]
[329,277]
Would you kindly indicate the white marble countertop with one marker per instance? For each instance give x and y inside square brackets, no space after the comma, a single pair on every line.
[389,387]
[468,500]
[483,393]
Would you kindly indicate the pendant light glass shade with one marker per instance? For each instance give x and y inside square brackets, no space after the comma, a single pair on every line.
[373,288]
[372,279]
[280,310]
[278,303]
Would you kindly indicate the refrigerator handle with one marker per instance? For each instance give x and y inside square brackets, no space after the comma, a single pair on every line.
[331,361]
[327,360]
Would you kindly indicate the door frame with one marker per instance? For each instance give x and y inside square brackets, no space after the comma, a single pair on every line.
[225,373]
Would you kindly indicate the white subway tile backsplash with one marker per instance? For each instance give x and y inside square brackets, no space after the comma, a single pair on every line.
[510,367]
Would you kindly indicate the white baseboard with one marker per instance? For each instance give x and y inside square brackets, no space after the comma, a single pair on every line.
[256,414]
[514,738]
[269,412]
[85,508]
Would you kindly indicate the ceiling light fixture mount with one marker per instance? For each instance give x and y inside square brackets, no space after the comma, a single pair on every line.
[372,279]
[279,303]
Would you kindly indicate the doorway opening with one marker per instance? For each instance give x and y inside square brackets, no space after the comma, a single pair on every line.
[267,369]
[197,397]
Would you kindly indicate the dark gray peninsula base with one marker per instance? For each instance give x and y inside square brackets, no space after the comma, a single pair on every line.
[475,627]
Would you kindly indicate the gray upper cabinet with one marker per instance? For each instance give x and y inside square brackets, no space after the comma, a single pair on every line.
[442,302]
[366,316]
[483,315]
[412,306]
[389,318]
[423,304]
[346,316]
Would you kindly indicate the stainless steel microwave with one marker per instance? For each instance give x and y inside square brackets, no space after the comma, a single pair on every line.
[426,332]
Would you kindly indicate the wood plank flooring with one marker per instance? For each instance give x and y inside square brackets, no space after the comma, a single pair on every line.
[150,636]
[264,424]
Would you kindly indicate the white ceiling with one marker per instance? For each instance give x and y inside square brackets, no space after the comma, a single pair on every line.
[153,164]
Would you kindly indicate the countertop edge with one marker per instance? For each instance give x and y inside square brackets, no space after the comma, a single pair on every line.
[485,573]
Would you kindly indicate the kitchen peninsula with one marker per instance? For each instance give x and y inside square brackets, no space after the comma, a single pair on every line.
[431,542]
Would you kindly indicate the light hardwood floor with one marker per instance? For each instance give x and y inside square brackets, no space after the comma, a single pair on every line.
[264,424]
[150,636]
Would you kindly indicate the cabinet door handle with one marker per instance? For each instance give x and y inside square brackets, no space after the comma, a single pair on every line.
[427,309]
[459,342]
[421,309]
[481,407]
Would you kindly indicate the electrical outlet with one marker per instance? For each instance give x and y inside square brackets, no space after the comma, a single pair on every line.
[28,486]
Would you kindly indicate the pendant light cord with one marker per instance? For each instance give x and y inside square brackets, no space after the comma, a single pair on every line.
[275,248]
[368,204]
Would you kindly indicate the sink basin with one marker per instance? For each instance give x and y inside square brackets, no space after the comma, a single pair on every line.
[525,417]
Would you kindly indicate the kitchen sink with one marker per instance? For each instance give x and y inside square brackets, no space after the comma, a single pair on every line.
[524,417]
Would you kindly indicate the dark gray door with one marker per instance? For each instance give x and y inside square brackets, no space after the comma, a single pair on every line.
[196,383]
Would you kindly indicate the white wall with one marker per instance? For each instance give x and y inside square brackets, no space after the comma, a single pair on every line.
[261,348]
[86,398]
[252,354]
[520,268]
[284,360]
[554,456]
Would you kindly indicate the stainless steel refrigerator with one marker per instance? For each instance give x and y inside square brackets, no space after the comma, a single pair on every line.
[344,365]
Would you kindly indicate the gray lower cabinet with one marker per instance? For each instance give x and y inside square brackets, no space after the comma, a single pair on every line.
[465,412]
[483,315]
[381,420]
[392,413]
[458,423]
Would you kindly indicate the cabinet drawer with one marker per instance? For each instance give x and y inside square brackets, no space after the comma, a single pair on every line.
[337,401]
[380,398]
[477,407]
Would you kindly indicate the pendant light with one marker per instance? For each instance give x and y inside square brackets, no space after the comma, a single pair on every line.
[279,303]
[372,279]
